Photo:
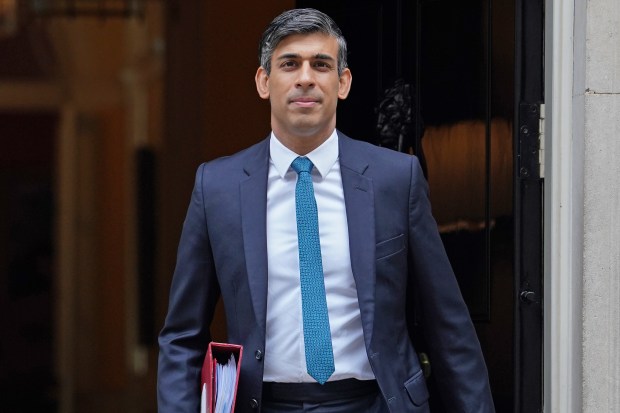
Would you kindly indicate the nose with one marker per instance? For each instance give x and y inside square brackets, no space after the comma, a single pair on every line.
[306,76]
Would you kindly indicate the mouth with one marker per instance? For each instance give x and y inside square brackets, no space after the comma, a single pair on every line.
[305,101]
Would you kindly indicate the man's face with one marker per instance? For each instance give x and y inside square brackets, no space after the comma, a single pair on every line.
[304,88]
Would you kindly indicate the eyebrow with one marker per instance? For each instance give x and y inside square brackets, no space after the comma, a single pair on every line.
[320,56]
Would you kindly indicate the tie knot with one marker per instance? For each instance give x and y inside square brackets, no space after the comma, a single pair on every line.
[302,164]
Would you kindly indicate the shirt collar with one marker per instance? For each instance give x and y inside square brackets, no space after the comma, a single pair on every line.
[323,158]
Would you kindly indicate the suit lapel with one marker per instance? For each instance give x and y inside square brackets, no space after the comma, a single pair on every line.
[253,198]
[359,202]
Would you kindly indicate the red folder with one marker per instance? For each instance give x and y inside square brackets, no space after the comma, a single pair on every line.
[218,353]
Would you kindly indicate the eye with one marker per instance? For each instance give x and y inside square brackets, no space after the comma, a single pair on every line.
[322,65]
[288,64]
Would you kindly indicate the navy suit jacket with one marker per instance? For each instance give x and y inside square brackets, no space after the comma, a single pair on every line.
[395,250]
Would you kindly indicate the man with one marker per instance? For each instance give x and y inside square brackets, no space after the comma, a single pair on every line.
[315,243]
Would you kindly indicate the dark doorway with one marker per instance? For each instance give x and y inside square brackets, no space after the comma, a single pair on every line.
[27,162]
[441,79]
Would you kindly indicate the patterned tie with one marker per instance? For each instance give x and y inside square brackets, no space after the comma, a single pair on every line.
[317,336]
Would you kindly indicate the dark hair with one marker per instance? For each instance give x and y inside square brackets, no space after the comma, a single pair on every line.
[299,21]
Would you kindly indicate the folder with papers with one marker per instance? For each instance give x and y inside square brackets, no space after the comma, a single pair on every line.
[220,377]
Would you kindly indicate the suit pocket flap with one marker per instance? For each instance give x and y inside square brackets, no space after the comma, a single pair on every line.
[417,390]
[390,246]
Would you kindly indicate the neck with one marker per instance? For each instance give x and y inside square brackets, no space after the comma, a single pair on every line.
[302,144]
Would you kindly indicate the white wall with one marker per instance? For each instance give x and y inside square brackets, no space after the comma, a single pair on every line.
[601,259]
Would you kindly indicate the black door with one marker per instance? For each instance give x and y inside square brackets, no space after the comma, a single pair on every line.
[459,84]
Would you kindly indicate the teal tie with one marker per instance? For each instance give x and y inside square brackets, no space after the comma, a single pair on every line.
[317,336]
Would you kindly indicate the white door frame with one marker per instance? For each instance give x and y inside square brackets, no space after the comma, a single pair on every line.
[563,215]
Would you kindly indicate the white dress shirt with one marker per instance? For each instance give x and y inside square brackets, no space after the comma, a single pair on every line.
[285,359]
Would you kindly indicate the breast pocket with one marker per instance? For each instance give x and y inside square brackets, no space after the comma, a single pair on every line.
[417,390]
[390,247]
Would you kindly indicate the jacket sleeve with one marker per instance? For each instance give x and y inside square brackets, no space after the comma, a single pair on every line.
[457,363]
[193,294]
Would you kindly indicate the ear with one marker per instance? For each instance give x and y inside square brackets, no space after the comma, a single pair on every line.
[262,83]
[344,85]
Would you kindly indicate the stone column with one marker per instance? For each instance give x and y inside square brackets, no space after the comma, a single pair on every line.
[601,263]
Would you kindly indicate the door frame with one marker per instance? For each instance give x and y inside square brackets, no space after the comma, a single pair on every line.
[563,213]
[529,178]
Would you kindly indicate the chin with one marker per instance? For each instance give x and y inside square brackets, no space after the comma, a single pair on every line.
[307,129]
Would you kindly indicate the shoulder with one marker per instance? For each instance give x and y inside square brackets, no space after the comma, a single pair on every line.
[241,163]
[360,154]
[225,173]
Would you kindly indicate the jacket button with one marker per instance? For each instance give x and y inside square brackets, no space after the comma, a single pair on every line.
[253,403]
[259,355]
